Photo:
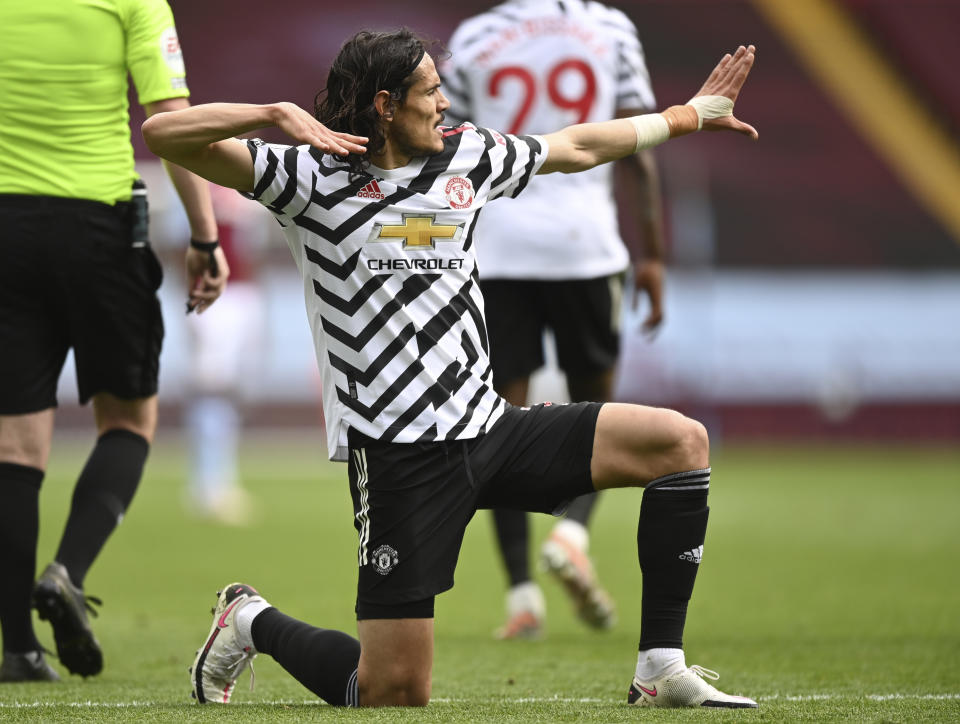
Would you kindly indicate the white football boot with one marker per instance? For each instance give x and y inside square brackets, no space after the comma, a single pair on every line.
[226,653]
[573,568]
[685,687]
[526,611]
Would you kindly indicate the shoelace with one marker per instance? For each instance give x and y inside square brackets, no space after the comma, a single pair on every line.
[247,656]
[80,597]
[704,673]
[88,602]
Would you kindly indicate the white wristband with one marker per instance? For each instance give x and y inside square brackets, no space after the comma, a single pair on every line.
[651,128]
[708,107]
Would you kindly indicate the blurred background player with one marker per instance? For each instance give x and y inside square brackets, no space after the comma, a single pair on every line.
[77,271]
[226,355]
[553,258]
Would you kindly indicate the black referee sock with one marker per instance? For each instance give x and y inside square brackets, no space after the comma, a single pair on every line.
[323,660]
[100,499]
[19,525]
[673,525]
[513,535]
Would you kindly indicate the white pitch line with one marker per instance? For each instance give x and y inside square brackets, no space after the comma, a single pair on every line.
[443,700]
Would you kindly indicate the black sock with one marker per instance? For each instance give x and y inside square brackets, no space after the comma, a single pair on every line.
[323,660]
[100,498]
[19,526]
[513,535]
[581,508]
[673,525]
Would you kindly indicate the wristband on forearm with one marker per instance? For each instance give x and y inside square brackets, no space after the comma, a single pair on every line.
[655,128]
[652,130]
[209,247]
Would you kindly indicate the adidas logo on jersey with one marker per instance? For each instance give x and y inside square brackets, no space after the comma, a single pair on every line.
[371,191]
[693,556]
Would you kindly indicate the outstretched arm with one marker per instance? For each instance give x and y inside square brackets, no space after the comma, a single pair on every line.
[199,138]
[583,146]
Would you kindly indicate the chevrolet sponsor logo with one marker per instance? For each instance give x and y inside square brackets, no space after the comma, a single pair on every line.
[434,264]
[418,231]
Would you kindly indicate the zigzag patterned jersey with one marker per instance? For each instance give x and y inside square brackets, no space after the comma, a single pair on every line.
[390,280]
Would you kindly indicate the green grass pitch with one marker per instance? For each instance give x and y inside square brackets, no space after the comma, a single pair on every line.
[829,591]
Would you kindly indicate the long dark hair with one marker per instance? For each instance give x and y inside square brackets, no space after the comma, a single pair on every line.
[367,63]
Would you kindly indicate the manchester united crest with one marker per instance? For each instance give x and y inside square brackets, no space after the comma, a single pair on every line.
[459,192]
[384,560]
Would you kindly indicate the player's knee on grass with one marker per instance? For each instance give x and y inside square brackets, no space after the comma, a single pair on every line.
[395,685]
[396,661]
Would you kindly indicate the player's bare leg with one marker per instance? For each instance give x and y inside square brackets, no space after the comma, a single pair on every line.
[635,444]
[396,661]
[667,454]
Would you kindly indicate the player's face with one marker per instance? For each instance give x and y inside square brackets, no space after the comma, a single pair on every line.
[414,130]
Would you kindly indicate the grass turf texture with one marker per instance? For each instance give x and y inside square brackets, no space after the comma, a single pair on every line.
[828,592]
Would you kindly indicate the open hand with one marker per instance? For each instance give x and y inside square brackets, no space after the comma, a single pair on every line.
[304,128]
[725,81]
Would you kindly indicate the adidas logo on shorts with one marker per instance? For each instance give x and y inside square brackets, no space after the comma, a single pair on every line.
[371,191]
[693,556]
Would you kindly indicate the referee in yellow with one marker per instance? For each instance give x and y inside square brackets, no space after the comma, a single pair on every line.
[77,272]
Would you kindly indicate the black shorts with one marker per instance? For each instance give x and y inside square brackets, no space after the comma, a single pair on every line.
[69,277]
[584,315]
[412,501]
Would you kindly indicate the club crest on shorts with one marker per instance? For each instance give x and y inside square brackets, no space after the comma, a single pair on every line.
[384,560]
[459,191]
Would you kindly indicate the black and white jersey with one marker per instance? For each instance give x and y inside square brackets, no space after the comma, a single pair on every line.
[390,280]
[536,66]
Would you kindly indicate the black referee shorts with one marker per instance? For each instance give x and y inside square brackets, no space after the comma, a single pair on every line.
[584,315]
[412,501]
[70,278]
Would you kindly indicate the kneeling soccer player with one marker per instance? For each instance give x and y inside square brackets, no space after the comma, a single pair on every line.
[378,185]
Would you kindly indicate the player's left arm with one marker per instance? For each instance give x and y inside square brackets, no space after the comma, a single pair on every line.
[583,146]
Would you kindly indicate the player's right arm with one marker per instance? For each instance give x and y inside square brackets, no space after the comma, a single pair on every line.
[199,138]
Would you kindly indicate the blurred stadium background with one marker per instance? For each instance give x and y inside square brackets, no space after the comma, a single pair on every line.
[814,278]
[814,286]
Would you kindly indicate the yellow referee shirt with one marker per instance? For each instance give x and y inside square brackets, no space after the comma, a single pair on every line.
[64,118]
